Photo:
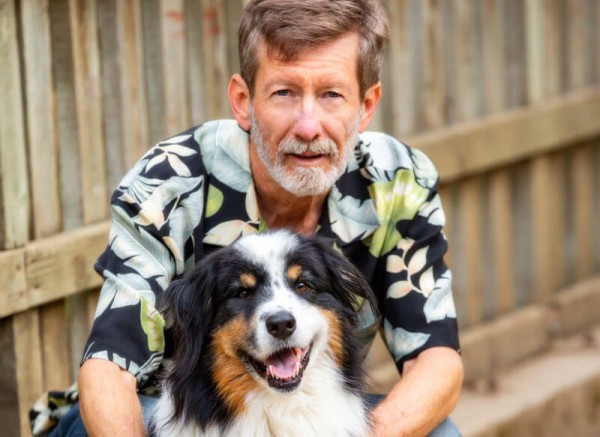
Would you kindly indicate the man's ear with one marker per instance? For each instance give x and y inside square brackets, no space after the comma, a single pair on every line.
[370,102]
[239,101]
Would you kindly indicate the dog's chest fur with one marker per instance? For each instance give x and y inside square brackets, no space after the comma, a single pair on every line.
[322,407]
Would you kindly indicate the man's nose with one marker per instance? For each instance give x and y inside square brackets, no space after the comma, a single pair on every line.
[308,122]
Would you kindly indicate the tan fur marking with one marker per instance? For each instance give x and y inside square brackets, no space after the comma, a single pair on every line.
[335,336]
[248,280]
[229,372]
[293,272]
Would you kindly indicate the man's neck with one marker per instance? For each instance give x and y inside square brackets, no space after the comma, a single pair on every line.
[280,208]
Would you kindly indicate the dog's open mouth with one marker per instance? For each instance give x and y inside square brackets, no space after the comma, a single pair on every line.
[283,370]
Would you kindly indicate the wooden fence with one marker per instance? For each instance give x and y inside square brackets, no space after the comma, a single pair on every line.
[504,95]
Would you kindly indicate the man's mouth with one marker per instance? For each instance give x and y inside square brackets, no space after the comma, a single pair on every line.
[284,369]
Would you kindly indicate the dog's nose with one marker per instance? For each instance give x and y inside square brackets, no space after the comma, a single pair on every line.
[281,325]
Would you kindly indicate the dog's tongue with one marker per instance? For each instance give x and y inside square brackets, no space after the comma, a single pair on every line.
[283,364]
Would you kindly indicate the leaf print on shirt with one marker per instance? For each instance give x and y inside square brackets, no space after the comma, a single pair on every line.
[182,221]
[440,303]
[426,174]
[153,209]
[351,218]
[214,200]
[403,342]
[412,265]
[398,199]
[227,232]
[171,153]
[140,250]
[225,149]
[153,325]
[123,290]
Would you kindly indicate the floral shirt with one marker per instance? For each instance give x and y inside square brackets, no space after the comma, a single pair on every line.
[194,193]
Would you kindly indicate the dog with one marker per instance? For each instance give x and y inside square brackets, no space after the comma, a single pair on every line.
[265,345]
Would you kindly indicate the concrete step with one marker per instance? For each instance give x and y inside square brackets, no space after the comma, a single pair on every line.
[555,393]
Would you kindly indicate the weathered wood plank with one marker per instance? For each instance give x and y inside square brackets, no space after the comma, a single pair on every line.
[503,138]
[55,346]
[493,56]
[172,24]
[471,221]
[41,118]
[88,92]
[432,106]
[398,75]
[13,294]
[583,210]
[66,111]
[501,230]
[14,185]
[63,265]
[132,81]
[111,100]
[196,79]
[216,70]
[467,92]
[28,364]
[578,55]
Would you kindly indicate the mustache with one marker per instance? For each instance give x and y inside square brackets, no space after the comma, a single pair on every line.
[316,147]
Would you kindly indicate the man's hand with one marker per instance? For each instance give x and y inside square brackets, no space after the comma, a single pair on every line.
[423,398]
[108,400]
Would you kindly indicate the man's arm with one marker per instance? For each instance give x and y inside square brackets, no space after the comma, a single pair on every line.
[423,398]
[108,400]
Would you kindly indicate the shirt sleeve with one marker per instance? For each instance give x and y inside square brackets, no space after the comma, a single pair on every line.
[418,308]
[155,209]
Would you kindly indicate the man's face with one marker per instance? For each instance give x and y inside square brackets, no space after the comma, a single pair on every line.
[306,115]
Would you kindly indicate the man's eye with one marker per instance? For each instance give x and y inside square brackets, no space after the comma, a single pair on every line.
[332,95]
[282,93]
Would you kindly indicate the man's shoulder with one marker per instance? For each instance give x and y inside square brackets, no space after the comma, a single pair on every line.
[382,154]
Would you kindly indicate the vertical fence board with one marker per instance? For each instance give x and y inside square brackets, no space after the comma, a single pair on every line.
[28,364]
[398,101]
[501,225]
[55,347]
[111,100]
[132,81]
[466,92]
[577,48]
[493,60]
[433,86]
[88,91]
[196,78]
[583,209]
[471,233]
[67,129]
[14,186]
[41,125]
[155,68]
[214,38]
[515,53]
[174,65]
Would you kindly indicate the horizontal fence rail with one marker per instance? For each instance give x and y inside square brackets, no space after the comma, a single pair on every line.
[503,95]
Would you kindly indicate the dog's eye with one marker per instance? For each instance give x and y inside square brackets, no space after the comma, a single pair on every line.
[244,293]
[302,287]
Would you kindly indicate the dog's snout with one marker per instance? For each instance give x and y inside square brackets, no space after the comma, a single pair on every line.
[281,325]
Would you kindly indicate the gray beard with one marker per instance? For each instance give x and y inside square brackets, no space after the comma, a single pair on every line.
[304,181]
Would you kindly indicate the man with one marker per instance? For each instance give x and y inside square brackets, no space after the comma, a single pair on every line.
[297,157]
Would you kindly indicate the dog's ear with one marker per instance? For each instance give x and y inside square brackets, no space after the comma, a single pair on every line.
[347,280]
[187,303]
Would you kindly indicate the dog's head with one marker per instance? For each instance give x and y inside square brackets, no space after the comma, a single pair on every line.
[261,310]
